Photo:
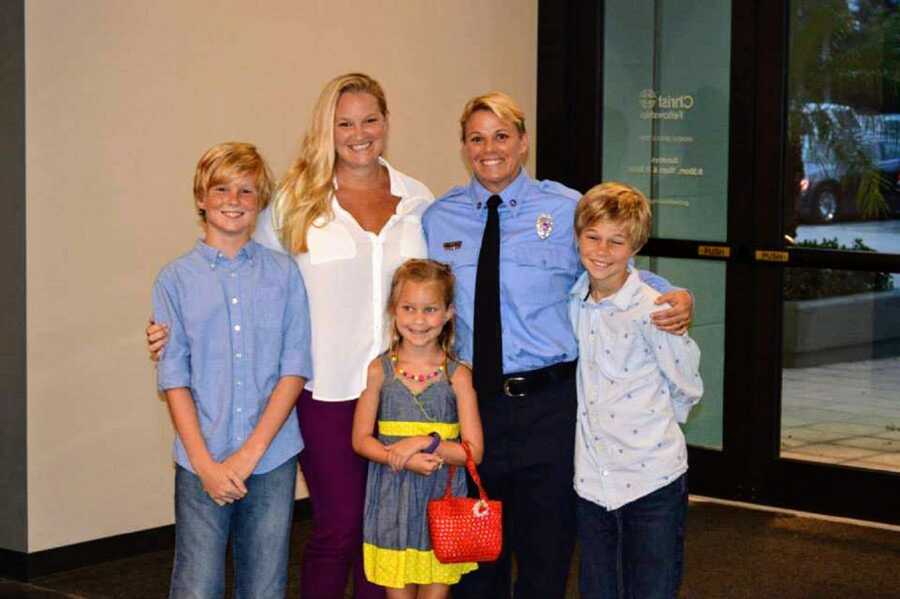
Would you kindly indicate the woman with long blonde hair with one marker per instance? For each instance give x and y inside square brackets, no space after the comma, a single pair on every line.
[349,219]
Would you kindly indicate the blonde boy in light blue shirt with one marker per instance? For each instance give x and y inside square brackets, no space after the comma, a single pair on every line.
[635,384]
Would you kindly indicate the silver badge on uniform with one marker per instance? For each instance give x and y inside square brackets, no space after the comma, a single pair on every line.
[544,226]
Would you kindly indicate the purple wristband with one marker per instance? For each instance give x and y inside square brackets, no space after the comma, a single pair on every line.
[435,441]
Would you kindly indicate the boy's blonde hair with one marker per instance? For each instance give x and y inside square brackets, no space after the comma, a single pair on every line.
[305,192]
[617,203]
[500,104]
[419,270]
[224,162]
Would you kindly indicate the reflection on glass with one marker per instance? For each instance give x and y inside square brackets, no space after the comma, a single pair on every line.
[706,280]
[843,154]
[840,399]
[666,94]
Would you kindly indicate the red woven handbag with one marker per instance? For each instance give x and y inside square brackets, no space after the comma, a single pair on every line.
[464,529]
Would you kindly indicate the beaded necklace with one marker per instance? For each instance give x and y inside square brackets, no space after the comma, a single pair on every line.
[419,378]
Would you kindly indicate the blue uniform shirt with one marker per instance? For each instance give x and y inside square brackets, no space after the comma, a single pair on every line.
[235,328]
[539,263]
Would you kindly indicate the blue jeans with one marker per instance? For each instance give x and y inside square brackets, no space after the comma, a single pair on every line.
[636,551]
[259,526]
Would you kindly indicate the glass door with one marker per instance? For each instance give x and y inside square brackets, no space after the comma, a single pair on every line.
[840,392]
[665,124]
[766,137]
[658,116]
[839,386]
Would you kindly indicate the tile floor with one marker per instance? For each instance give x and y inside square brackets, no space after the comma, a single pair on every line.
[846,413]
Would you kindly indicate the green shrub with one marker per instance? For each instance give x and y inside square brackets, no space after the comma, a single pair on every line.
[815,283]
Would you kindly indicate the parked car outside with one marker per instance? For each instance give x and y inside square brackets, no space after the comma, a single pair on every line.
[828,189]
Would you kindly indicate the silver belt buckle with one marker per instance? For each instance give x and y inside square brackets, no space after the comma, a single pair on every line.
[513,379]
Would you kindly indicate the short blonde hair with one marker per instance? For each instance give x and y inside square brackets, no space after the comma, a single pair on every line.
[616,203]
[223,162]
[305,192]
[500,104]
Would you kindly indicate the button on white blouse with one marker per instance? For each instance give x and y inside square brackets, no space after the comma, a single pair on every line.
[347,272]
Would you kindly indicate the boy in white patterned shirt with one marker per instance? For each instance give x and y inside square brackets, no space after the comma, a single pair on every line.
[635,384]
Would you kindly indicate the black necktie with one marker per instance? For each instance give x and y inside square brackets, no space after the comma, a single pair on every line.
[487,358]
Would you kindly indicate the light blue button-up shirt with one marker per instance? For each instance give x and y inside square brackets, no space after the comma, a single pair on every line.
[635,383]
[235,328]
[538,265]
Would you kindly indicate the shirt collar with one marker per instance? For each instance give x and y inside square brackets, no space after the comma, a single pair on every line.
[621,299]
[513,195]
[581,288]
[408,202]
[214,256]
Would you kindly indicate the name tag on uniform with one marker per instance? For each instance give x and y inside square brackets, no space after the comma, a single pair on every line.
[451,246]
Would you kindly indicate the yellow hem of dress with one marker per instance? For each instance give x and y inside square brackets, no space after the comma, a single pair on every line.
[396,568]
[400,428]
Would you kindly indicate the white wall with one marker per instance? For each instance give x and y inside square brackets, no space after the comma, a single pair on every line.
[122,98]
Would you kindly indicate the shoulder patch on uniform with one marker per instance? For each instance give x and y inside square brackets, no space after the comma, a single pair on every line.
[548,186]
[453,192]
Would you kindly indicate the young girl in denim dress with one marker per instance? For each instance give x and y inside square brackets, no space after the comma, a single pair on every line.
[418,406]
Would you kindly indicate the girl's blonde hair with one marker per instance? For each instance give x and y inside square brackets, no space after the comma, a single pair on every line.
[424,271]
[305,191]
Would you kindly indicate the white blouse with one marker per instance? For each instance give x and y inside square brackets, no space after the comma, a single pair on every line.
[347,272]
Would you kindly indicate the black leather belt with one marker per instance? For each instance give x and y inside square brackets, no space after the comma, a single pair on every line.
[520,384]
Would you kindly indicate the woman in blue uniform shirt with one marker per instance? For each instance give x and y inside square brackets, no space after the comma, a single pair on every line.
[529,410]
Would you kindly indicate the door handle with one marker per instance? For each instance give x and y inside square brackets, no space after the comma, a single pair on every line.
[771,256]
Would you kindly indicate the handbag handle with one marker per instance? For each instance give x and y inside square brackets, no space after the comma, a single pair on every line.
[470,466]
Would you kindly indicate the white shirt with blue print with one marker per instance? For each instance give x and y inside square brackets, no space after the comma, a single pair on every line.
[635,384]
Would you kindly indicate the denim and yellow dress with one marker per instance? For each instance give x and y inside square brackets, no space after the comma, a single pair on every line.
[396,544]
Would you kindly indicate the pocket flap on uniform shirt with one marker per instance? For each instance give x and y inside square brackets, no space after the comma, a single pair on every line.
[545,255]
[458,256]
[329,243]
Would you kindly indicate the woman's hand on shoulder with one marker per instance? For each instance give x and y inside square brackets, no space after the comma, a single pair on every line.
[157,337]
[678,318]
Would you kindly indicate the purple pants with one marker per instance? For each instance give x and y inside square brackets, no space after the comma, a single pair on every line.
[336,478]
